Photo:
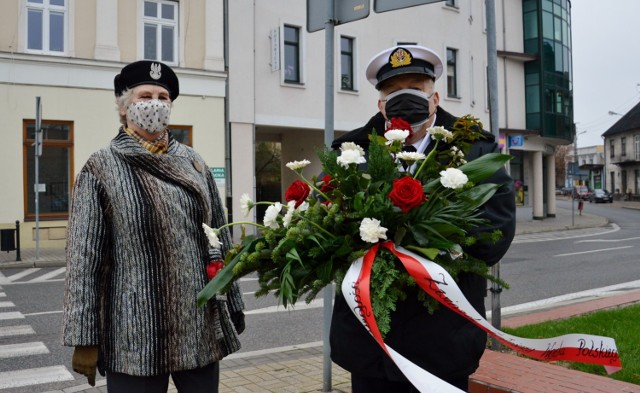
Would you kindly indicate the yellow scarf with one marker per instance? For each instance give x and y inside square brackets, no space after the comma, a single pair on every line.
[158,146]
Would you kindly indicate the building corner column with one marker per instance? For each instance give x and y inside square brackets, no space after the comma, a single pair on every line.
[551,185]
[537,199]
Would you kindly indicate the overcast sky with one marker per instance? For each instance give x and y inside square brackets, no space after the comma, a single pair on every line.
[606,63]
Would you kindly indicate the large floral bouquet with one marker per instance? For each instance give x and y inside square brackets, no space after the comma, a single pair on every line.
[431,208]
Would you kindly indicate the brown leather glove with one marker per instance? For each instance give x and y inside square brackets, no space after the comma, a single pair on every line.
[85,361]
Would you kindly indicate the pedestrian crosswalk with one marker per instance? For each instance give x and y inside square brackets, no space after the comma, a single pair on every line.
[18,345]
[32,275]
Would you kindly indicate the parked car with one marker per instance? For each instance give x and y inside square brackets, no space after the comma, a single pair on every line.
[599,195]
[581,192]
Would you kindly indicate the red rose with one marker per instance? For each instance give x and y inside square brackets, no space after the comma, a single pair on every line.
[298,191]
[407,193]
[213,268]
[326,184]
[397,123]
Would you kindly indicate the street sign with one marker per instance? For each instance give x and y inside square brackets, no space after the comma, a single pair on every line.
[390,5]
[344,11]
[219,176]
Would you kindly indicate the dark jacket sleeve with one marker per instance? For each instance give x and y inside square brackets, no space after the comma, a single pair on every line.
[499,211]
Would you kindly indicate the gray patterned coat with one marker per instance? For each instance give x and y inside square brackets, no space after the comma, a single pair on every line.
[136,260]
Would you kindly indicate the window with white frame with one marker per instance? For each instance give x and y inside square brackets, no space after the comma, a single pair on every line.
[451,3]
[47,22]
[623,146]
[160,30]
[292,52]
[346,63]
[636,143]
[452,73]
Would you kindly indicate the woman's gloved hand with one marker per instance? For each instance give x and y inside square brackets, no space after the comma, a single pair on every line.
[85,361]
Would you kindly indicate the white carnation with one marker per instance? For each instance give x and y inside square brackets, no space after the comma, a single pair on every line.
[352,146]
[350,157]
[246,204]
[396,135]
[212,235]
[295,165]
[410,156]
[271,215]
[453,178]
[440,133]
[371,231]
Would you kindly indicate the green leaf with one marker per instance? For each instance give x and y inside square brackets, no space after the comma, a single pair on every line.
[358,202]
[293,255]
[429,253]
[484,166]
[223,278]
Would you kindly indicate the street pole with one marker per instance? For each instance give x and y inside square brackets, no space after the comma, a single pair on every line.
[492,80]
[328,138]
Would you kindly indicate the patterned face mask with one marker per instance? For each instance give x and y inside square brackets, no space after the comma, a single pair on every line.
[152,115]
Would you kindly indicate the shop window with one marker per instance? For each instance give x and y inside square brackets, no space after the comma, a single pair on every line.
[55,169]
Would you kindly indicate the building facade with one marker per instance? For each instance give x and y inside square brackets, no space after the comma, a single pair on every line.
[67,52]
[253,88]
[622,155]
[277,89]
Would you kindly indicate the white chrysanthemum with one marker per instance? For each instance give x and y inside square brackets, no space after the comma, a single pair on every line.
[410,156]
[371,231]
[351,146]
[246,204]
[303,206]
[295,165]
[395,135]
[453,178]
[271,215]
[350,157]
[212,235]
[440,133]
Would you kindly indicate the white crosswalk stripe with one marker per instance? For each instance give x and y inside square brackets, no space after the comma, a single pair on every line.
[11,315]
[34,376]
[20,346]
[33,275]
[22,349]
[20,330]
[23,273]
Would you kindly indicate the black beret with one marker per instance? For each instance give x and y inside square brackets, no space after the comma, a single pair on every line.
[146,72]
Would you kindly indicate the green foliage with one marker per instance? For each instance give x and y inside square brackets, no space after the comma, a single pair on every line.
[314,247]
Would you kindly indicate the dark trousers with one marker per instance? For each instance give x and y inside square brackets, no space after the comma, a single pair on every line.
[360,384]
[200,380]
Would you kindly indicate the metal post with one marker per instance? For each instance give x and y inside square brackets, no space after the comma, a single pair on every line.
[492,79]
[573,186]
[328,138]
[38,152]
[18,259]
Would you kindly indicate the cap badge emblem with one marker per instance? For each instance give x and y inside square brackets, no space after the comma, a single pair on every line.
[155,71]
[399,58]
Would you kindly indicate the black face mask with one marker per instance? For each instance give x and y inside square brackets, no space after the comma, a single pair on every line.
[410,105]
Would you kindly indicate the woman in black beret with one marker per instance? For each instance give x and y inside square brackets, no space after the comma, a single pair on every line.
[137,255]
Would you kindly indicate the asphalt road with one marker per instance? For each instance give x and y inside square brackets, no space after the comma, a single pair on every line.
[551,264]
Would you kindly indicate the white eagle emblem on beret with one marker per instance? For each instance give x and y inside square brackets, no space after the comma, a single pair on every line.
[155,71]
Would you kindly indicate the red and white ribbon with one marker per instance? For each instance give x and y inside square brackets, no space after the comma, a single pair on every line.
[583,348]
